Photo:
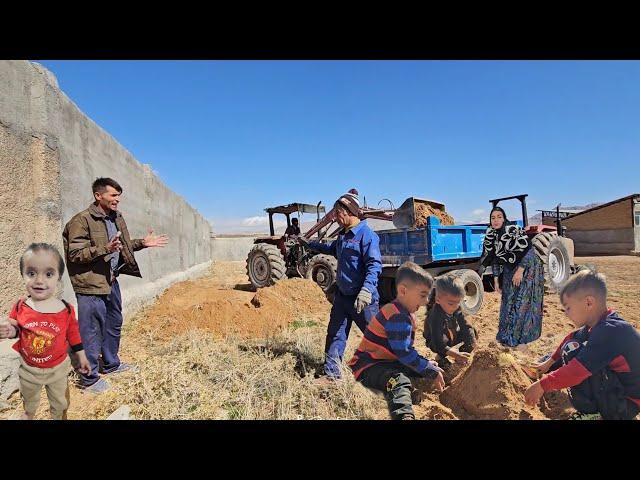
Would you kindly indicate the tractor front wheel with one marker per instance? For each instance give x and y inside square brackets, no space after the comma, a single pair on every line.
[265,265]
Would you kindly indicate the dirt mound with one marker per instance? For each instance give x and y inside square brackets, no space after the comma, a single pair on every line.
[491,388]
[423,212]
[208,306]
[556,405]
[294,295]
[430,408]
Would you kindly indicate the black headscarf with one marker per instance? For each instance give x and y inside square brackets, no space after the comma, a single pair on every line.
[507,245]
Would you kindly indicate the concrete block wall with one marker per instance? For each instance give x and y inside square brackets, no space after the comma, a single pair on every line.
[50,153]
[231,249]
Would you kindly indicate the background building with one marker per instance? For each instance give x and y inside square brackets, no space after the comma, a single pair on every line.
[609,229]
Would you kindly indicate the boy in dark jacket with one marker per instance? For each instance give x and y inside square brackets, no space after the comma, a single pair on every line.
[446,326]
[600,362]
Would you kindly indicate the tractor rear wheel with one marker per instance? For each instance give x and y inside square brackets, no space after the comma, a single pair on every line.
[474,290]
[322,269]
[265,265]
[555,259]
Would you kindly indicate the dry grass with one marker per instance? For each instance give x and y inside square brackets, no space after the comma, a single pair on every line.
[197,376]
[200,375]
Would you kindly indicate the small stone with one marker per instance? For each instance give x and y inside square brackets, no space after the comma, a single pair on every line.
[122,413]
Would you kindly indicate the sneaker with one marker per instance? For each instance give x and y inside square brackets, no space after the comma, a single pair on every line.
[124,367]
[584,416]
[407,416]
[100,386]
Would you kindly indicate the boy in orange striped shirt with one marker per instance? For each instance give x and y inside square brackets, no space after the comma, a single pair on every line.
[386,359]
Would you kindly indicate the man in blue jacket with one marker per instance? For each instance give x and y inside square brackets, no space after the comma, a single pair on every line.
[359,265]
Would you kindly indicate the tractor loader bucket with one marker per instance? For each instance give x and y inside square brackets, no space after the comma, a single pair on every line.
[405,216]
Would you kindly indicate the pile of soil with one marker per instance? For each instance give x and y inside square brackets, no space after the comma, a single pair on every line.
[294,296]
[556,405]
[423,212]
[430,408]
[207,305]
[491,388]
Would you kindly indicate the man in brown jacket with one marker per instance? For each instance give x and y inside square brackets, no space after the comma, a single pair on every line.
[98,248]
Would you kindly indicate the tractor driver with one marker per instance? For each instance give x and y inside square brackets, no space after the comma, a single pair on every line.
[293,229]
[356,296]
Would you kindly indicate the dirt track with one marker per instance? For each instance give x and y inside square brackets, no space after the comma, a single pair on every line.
[223,307]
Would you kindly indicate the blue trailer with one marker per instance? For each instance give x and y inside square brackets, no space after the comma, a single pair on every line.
[438,249]
[432,244]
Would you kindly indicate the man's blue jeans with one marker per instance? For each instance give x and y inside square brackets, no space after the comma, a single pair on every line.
[100,321]
[343,314]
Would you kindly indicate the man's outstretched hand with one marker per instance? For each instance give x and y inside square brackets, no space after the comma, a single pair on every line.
[155,241]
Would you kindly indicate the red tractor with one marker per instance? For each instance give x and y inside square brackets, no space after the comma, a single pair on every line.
[276,257]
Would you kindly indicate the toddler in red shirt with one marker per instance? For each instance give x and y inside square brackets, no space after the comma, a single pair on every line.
[44,326]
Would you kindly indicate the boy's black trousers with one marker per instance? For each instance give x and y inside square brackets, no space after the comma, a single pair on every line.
[394,380]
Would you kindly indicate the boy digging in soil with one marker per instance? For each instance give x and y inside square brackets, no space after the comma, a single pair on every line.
[44,325]
[446,326]
[386,359]
[599,362]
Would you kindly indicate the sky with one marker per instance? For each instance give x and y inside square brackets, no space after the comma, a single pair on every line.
[235,137]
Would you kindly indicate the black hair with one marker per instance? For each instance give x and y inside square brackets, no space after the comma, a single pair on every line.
[451,285]
[413,273]
[47,247]
[101,184]
[588,281]
[501,210]
[294,220]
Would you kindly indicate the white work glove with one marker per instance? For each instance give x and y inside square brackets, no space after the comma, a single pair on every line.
[363,300]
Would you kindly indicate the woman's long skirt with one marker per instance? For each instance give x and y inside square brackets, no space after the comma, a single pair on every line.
[521,307]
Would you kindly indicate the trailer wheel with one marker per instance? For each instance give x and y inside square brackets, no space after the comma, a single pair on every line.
[265,265]
[555,259]
[322,269]
[472,301]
